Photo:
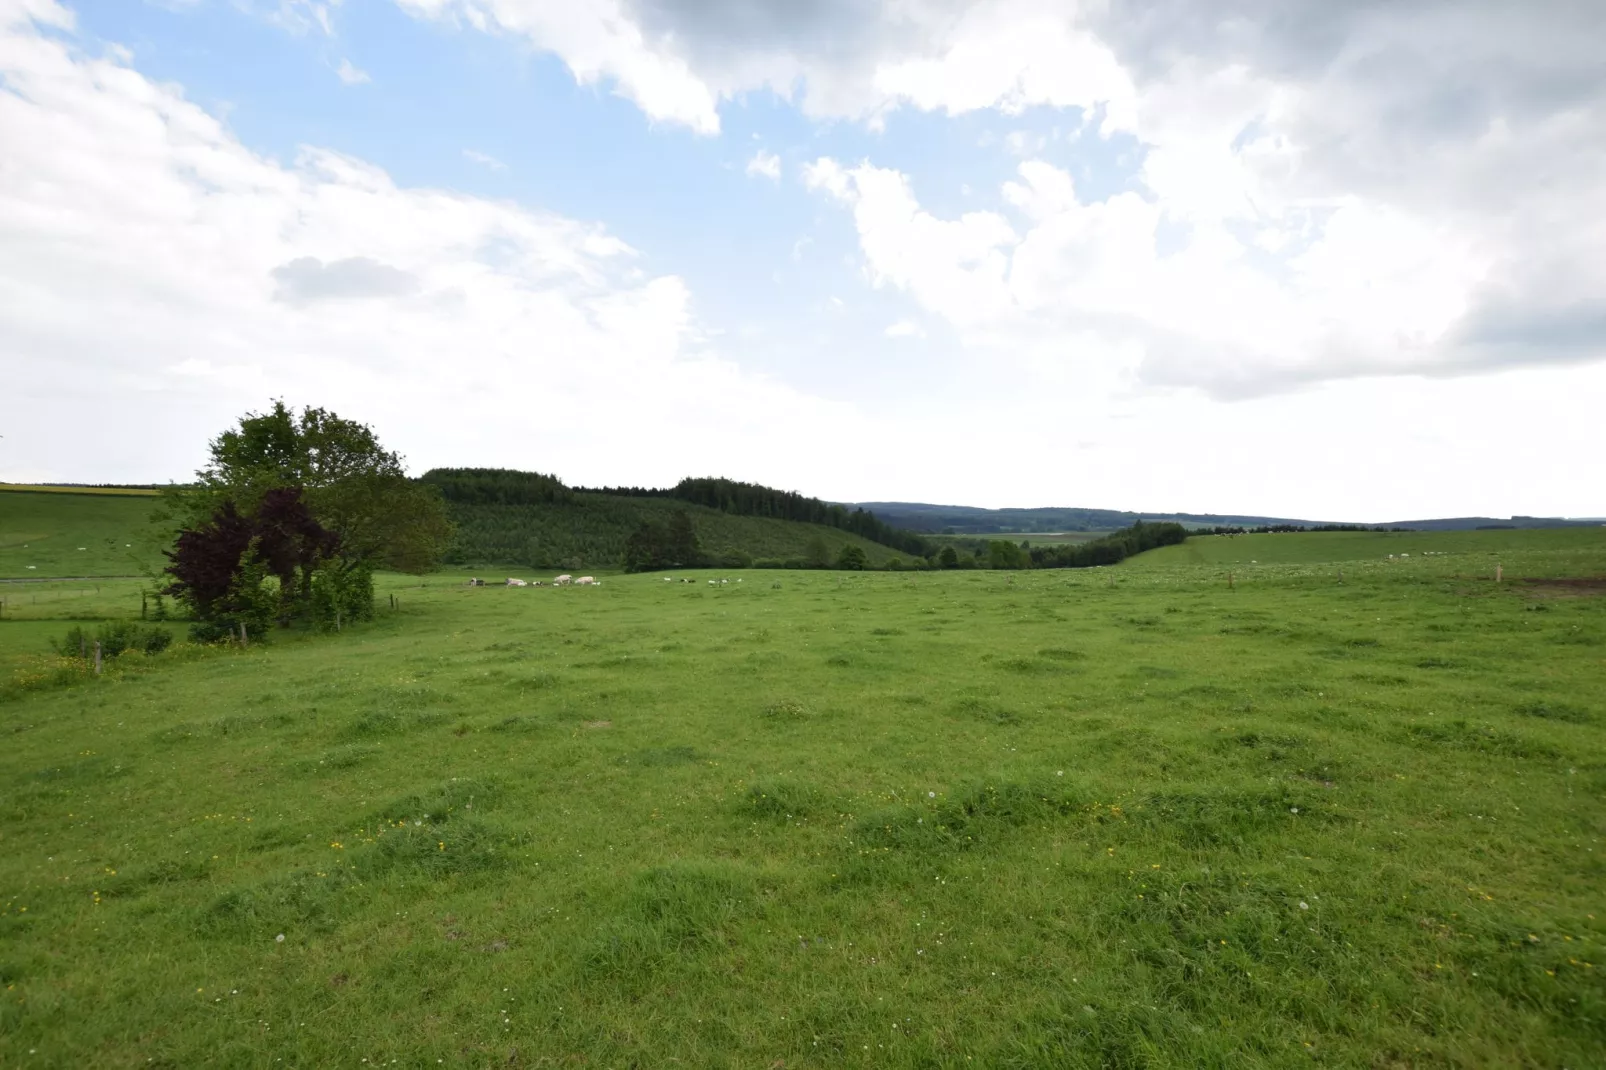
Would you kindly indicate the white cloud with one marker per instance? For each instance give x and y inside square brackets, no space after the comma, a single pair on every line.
[297,16]
[484,159]
[1372,291]
[597,40]
[766,164]
[463,328]
[1403,140]
[904,329]
[351,75]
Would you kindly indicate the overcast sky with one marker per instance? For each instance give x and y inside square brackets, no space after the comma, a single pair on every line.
[1285,257]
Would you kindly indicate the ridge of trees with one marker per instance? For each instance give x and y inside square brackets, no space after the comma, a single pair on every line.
[502,486]
[497,486]
[753,499]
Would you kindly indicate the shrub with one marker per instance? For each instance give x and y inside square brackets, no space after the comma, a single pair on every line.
[114,638]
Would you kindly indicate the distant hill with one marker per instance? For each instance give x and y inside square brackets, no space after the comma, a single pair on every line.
[1478,523]
[527,519]
[970,520]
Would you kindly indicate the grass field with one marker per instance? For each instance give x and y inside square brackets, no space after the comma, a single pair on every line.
[117,492]
[57,533]
[1116,817]
[1469,549]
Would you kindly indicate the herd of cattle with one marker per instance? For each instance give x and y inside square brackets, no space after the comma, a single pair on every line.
[561,581]
[583,581]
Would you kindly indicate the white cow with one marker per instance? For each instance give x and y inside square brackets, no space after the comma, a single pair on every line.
[563,581]
[669,579]
[511,582]
[586,581]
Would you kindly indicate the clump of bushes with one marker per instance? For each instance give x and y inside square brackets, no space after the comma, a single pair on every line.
[114,638]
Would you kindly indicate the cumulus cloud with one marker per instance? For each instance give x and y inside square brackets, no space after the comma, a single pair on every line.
[766,164]
[307,279]
[1372,291]
[598,40]
[351,74]
[1358,188]
[150,263]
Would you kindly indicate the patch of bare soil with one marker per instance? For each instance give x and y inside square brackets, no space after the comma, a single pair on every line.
[1567,586]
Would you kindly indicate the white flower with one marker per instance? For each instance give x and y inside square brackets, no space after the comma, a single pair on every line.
[279,939]
[1293,809]
[931,795]
[1303,905]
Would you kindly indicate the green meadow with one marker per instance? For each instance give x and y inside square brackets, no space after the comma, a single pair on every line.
[1122,817]
[71,532]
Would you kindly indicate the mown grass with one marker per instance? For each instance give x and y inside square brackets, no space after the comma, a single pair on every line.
[1122,817]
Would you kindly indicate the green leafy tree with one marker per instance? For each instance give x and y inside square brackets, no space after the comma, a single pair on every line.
[291,516]
[1001,553]
[644,550]
[851,558]
[817,553]
[680,542]
[948,557]
[352,485]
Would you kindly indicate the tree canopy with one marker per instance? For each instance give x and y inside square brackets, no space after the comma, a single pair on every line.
[309,501]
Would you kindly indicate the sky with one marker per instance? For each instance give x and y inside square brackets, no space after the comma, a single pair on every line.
[1267,257]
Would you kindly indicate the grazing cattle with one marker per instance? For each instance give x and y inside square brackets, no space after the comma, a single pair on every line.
[511,582]
[563,581]
[586,581]
[669,579]
[476,582]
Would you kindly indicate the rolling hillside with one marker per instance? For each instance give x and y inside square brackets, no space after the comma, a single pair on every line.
[508,517]
[589,531]
[75,531]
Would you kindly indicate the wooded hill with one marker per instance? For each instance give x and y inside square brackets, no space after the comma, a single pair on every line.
[528,519]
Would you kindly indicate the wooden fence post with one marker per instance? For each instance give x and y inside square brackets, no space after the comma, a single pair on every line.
[1229,580]
[97,657]
[1497,572]
[243,641]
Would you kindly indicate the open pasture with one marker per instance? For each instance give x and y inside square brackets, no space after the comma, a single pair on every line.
[76,532]
[1558,550]
[1113,817]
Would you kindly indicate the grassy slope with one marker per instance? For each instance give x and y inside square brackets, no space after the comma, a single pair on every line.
[591,533]
[45,529]
[45,488]
[1117,816]
[1338,546]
